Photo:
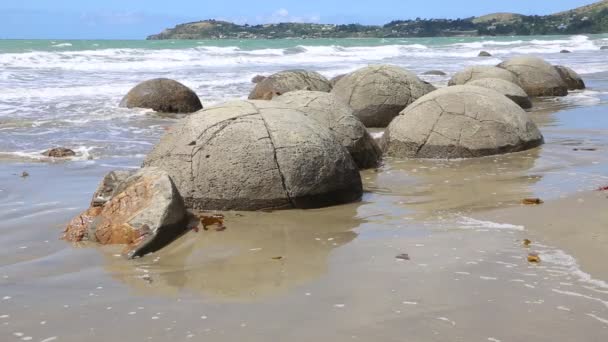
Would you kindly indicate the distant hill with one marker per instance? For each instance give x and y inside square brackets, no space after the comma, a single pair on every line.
[592,18]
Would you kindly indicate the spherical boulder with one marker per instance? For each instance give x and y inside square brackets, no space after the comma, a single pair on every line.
[484,54]
[508,89]
[482,71]
[378,93]
[338,117]
[571,77]
[289,80]
[536,76]
[162,95]
[461,122]
[254,155]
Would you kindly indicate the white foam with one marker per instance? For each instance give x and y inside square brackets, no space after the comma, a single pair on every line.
[471,223]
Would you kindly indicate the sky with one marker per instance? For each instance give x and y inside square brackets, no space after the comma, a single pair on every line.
[136,19]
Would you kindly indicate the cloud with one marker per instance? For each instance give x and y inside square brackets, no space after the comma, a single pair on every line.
[283,15]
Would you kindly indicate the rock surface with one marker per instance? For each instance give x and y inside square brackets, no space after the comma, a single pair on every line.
[147,213]
[482,71]
[338,117]
[257,79]
[59,152]
[508,89]
[253,155]
[484,54]
[461,122]
[335,79]
[536,76]
[162,95]
[378,93]
[108,185]
[289,80]
[573,80]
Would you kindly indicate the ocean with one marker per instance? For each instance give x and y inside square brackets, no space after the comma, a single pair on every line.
[326,274]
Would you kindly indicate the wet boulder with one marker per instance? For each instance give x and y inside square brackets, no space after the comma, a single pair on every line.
[146,214]
[434,73]
[338,117]
[108,186]
[571,77]
[254,155]
[461,122]
[378,93]
[565,51]
[508,89]
[604,47]
[59,152]
[289,80]
[536,76]
[484,54]
[164,96]
[482,71]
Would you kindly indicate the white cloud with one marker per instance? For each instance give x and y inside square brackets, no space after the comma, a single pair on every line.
[282,13]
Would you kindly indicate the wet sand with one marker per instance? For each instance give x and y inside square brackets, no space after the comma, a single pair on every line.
[332,274]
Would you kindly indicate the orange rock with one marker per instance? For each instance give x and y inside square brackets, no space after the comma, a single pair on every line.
[77,229]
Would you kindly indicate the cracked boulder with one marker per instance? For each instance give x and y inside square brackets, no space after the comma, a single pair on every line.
[162,95]
[289,80]
[482,71]
[571,77]
[338,117]
[146,213]
[378,93]
[461,122]
[508,89]
[256,155]
[536,76]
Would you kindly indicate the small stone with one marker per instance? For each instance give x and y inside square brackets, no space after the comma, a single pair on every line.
[59,152]
[24,174]
[403,256]
[533,258]
[532,201]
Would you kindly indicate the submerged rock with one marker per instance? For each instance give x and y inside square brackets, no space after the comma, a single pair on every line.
[482,71]
[484,54]
[378,93]
[571,77]
[162,95]
[146,213]
[508,89]
[338,117]
[461,122]
[289,80]
[434,73]
[253,155]
[604,47]
[565,51]
[59,152]
[536,76]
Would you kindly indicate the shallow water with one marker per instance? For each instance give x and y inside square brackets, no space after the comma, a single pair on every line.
[329,274]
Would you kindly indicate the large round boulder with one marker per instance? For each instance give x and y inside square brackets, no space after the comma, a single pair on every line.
[536,76]
[378,93]
[571,77]
[338,117]
[461,122]
[254,155]
[162,95]
[289,80]
[508,89]
[482,71]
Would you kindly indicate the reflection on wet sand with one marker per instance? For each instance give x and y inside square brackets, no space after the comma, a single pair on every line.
[258,255]
[431,186]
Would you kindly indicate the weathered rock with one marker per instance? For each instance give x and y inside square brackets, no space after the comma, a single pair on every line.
[162,95]
[289,80]
[460,122]
[565,51]
[107,188]
[338,117]
[59,152]
[434,73]
[484,54]
[378,93]
[571,77]
[536,76]
[335,79]
[482,71]
[147,213]
[257,79]
[252,155]
[508,89]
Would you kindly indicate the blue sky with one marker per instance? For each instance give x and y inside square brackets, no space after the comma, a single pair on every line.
[135,19]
